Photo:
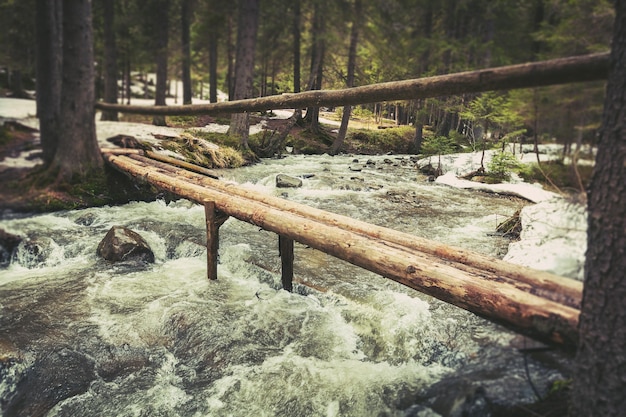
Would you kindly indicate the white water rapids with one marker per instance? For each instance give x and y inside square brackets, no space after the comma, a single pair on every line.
[83,337]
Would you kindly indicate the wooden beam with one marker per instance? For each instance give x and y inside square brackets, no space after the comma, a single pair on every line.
[285,248]
[212,240]
[182,164]
[497,300]
[535,74]
[214,220]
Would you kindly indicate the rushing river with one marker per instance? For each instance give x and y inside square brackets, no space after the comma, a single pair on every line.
[82,337]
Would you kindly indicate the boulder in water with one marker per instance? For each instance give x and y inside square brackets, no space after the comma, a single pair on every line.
[287,181]
[36,252]
[8,244]
[52,378]
[123,244]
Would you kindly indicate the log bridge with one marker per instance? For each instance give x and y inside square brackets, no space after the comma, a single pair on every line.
[535,303]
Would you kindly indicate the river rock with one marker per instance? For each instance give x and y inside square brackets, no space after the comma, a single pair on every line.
[52,378]
[125,141]
[287,181]
[123,244]
[8,244]
[33,253]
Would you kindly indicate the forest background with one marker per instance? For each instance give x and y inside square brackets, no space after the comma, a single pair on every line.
[307,45]
[397,40]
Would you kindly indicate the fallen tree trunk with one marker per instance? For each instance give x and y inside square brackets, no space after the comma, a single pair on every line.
[498,301]
[556,288]
[536,74]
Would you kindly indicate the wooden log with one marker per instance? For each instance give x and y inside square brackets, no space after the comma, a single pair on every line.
[526,313]
[541,283]
[183,164]
[285,248]
[122,151]
[212,240]
[556,71]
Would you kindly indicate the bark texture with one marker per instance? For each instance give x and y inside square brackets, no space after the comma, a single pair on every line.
[600,378]
[297,15]
[347,110]
[49,18]
[110,59]
[78,152]
[162,38]
[213,66]
[244,66]
[185,21]
[318,49]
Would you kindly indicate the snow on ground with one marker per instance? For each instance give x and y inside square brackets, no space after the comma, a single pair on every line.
[554,231]
[553,239]
[530,192]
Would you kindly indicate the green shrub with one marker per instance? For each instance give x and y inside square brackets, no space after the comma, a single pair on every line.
[438,145]
[502,164]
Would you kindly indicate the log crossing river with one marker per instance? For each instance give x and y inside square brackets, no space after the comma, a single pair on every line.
[534,303]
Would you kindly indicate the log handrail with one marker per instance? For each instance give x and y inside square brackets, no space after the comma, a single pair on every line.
[581,68]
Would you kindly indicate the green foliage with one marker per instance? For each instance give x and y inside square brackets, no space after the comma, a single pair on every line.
[362,112]
[560,385]
[491,109]
[438,145]
[502,164]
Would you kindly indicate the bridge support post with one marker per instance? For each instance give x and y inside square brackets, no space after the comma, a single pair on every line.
[214,219]
[285,248]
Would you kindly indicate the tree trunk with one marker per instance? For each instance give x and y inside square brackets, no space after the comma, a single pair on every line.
[78,152]
[296,45]
[317,64]
[128,81]
[600,376]
[110,59]
[185,21]
[416,145]
[162,38]
[49,72]
[244,66]
[230,50]
[213,66]
[17,86]
[354,39]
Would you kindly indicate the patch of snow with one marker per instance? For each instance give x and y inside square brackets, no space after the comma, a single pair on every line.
[27,159]
[553,238]
[141,131]
[530,192]
[17,108]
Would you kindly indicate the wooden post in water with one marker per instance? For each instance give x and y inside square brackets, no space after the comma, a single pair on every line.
[285,248]
[214,219]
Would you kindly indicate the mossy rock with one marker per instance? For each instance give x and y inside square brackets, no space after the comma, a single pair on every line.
[201,152]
